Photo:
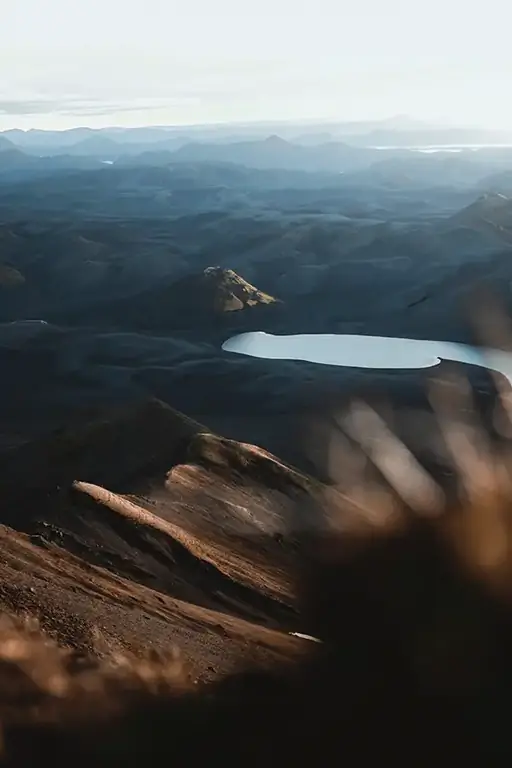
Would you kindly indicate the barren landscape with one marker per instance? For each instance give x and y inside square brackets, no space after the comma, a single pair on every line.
[162,495]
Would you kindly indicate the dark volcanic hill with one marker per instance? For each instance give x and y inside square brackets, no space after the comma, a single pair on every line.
[192,302]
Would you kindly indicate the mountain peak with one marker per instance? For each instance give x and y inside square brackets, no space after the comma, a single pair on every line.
[232,292]
[490,208]
[276,141]
[189,302]
[493,199]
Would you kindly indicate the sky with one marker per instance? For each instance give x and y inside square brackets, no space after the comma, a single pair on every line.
[65,63]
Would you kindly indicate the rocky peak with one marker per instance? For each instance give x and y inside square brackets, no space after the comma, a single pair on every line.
[232,292]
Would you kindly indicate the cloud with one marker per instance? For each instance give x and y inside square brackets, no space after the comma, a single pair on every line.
[29,107]
[70,106]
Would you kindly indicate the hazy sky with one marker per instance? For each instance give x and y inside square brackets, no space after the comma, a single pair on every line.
[134,62]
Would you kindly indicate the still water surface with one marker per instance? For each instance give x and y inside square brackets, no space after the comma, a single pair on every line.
[354,351]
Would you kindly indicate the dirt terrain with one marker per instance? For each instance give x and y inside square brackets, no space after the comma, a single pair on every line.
[188,550]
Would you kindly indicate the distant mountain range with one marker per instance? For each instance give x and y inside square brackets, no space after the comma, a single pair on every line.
[107,289]
[83,149]
[109,143]
[272,152]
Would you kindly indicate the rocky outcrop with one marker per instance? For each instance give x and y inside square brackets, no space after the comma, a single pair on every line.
[232,293]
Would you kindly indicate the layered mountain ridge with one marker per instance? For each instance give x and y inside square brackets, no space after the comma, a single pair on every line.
[127,261]
[143,495]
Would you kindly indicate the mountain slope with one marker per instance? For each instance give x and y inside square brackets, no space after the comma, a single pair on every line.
[232,293]
[154,497]
[491,209]
[6,145]
[93,610]
[275,152]
[17,165]
[141,529]
[193,301]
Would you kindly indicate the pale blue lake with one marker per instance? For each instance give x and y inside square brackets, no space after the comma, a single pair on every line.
[355,351]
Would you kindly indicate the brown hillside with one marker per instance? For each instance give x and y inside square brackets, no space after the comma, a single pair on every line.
[152,497]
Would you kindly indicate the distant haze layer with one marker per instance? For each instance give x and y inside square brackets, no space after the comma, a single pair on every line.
[110,62]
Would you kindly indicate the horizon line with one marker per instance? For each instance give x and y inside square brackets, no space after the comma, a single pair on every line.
[306,121]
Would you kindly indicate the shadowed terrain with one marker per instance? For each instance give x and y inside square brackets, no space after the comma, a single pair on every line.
[211,556]
[414,614]
[144,520]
